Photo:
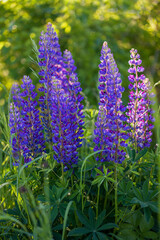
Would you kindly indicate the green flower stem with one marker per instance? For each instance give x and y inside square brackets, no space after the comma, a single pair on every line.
[62,172]
[116,187]
[97,201]
[105,200]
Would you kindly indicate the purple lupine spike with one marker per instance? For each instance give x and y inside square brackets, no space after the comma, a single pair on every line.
[26,129]
[74,91]
[33,142]
[16,123]
[51,62]
[64,127]
[61,106]
[110,132]
[16,127]
[139,107]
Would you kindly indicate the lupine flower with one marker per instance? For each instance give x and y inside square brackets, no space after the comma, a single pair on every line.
[67,115]
[51,63]
[64,126]
[25,123]
[74,91]
[16,123]
[110,132]
[16,126]
[61,106]
[139,108]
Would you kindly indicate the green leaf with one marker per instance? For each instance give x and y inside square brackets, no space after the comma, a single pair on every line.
[150,235]
[141,154]
[128,234]
[136,173]
[102,236]
[98,171]
[99,180]
[138,193]
[65,218]
[129,186]
[147,214]
[89,237]
[133,153]
[144,225]
[94,236]
[145,189]
[100,218]
[106,185]
[154,194]
[108,226]
[129,152]
[84,220]
[116,237]
[54,213]
[141,203]
[79,231]
[154,207]
[91,217]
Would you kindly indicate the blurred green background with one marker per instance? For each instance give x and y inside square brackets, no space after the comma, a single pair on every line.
[82,26]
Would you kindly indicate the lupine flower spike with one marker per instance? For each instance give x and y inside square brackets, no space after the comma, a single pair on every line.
[110,132]
[51,66]
[61,106]
[139,108]
[67,115]
[25,123]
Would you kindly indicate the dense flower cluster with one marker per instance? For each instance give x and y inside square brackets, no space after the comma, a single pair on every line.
[139,107]
[110,129]
[25,122]
[58,125]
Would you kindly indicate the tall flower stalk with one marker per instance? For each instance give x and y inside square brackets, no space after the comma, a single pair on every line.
[139,107]
[28,139]
[110,132]
[51,63]
[61,107]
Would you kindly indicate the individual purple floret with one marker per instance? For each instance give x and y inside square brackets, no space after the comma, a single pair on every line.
[28,140]
[110,132]
[139,108]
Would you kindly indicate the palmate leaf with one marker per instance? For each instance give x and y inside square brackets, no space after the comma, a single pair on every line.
[84,220]
[92,226]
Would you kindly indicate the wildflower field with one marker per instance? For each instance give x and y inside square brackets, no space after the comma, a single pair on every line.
[69,171]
